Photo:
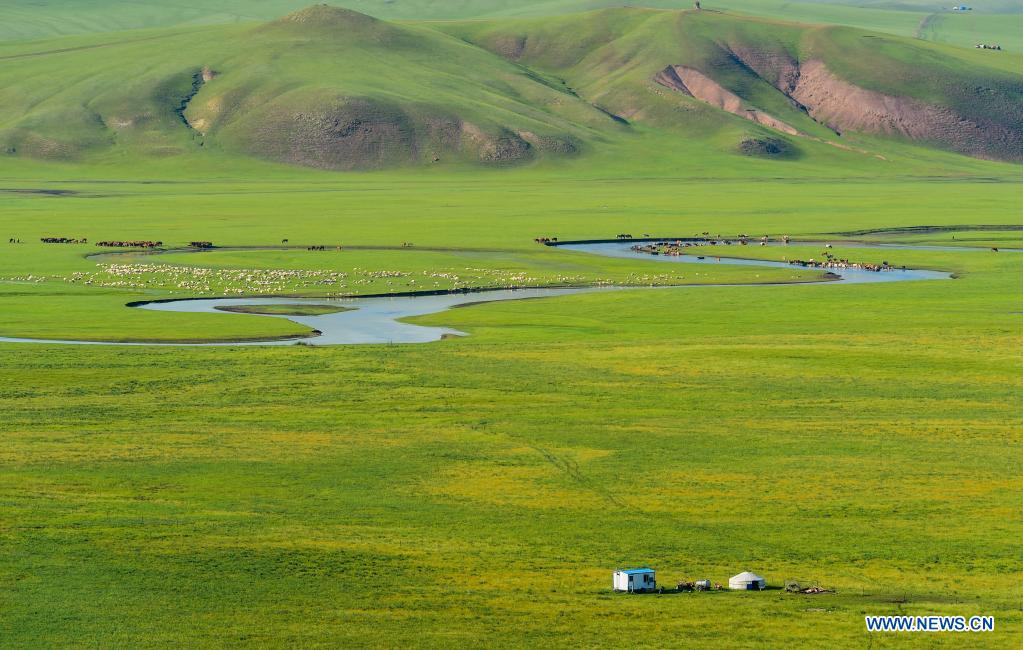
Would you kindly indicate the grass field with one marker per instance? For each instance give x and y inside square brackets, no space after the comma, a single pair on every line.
[480,491]
[26,19]
[993,21]
[820,433]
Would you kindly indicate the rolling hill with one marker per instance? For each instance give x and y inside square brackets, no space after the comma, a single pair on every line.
[322,87]
[803,80]
[332,88]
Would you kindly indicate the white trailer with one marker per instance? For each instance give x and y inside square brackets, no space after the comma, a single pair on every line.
[635,580]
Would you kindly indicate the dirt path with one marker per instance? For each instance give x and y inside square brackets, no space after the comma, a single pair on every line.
[925,24]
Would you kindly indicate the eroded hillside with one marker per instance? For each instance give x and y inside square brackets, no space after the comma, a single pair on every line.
[823,82]
[335,89]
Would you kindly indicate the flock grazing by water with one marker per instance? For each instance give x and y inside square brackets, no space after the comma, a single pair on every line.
[827,260]
[205,281]
[127,243]
[200,281]
[135,243]
[114,243]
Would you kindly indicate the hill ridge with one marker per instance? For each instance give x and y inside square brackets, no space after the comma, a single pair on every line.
[336,89]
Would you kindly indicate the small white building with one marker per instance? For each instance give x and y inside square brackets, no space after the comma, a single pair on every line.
[635,580]
[747,581]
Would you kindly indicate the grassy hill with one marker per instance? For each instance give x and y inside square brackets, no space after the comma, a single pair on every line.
[845,80]
[335,89]
[322,87]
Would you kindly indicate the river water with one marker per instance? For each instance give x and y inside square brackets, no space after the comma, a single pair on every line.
[378,320]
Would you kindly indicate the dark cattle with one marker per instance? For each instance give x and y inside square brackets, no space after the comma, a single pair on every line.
[60,240]
[133,243]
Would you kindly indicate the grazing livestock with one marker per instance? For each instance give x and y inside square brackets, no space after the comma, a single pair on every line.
[133,243]
[61,240]
[829,261]
[201,244]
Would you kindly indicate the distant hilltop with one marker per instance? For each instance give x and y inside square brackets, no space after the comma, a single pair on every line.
[335,89]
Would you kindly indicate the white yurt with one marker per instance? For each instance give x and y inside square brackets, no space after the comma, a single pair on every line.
[747,581]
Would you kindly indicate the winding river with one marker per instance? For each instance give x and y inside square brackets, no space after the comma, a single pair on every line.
[378,320]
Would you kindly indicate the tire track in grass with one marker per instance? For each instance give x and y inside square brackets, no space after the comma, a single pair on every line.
[571,468]
[94,46]
[925,24]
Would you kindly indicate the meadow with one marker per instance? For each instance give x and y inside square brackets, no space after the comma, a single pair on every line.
[26,19]
[480,491]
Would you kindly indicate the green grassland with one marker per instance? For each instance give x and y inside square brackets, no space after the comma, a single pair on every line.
[969,29]
[992,22]
[25,19]
[861,437]
[479,491]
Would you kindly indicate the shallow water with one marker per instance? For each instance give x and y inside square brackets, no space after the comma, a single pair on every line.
[848,276]
[376,320]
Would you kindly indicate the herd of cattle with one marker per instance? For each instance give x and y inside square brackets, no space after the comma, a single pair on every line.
[60,240]
[132,243]
[701,239]
[128,243]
